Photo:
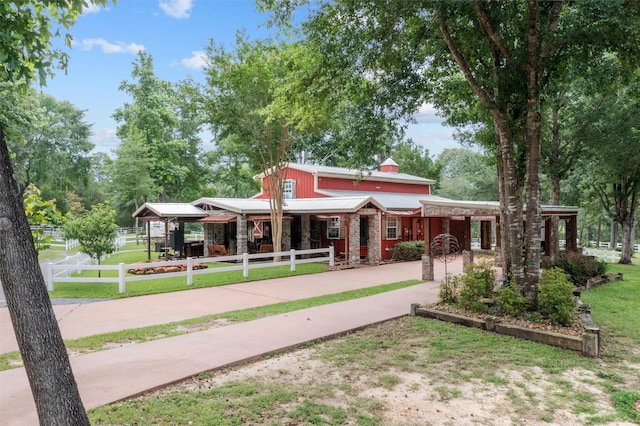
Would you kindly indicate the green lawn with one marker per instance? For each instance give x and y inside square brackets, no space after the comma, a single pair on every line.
[131,254]
[414,361]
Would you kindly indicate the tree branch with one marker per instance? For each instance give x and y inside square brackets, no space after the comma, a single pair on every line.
[488,28]
[463,64]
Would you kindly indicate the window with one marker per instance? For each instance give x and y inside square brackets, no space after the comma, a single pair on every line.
[289,192]
[333,228]
[392,228]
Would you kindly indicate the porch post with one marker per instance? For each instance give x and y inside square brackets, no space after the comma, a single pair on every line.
[241,234]
[305,229]
[286,235]
[373,245]
[572,233]
[354,240]
[467,252]
[485,235]
[427,259]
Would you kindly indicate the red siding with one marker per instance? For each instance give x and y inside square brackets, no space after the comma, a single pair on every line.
[304,184]
[366,185]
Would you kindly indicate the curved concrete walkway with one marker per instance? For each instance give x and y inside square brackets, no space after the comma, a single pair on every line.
[108,376]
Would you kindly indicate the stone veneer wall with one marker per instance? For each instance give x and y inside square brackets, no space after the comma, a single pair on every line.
[241,234]
[286,235]
[373,245]
[354,240]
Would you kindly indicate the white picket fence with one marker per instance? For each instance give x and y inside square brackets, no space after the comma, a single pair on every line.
[292,258]
[609,256]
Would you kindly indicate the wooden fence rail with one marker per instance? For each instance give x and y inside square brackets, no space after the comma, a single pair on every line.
[291,258]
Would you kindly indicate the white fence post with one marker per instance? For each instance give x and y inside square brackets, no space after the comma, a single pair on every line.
[331,256]
[189,271]
[245,265]
[50,276]
[292,259]
[121,278]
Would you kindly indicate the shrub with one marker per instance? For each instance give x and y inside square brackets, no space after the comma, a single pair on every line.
[579,267]
[408,250]
[511,302]
[449,289]
[477,282]
[555,296]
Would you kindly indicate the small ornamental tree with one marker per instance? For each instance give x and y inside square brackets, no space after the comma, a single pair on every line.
[95,231]
[40,212]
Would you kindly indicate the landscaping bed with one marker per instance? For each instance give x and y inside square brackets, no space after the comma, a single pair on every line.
[148,270]
[582,335]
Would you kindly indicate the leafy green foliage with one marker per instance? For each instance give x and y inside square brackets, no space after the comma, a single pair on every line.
[556,296]
[95,230]
[511,302]
[450,288]
[579,268]
[478,281]
[40,213]
[408,250]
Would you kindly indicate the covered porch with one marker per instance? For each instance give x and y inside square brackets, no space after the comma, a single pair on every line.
[456,218]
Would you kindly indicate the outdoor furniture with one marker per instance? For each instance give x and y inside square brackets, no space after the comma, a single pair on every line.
[266,248]
[217,250]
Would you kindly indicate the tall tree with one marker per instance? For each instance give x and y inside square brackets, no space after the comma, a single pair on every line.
[500,55]
[612,137]
[26,32]
[467,175]
[241,86]
[152,113]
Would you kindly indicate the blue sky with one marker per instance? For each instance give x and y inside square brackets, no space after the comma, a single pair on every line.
[174,32]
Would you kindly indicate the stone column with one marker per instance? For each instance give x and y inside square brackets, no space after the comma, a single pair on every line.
[241,234]
[305,228]
[373,245]
[467,257]
[427,259]
[354,240]
[286,235]
[427,268]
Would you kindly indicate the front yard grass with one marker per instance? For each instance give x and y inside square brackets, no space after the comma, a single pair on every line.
[419,371]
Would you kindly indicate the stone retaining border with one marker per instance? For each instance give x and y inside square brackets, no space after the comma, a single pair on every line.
[588,344]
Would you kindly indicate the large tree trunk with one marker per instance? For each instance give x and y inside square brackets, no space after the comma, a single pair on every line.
[533,129]
[43,352]
[628,224]
[511,203]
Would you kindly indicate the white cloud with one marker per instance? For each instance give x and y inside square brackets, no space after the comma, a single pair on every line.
[196,61]
[176,8]
[105,140]
[118,47]
[92,8]
[427,114]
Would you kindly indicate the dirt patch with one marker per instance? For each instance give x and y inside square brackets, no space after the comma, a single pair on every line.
[444,393]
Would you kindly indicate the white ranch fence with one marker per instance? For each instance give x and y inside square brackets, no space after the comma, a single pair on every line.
[292,258]
[609,256]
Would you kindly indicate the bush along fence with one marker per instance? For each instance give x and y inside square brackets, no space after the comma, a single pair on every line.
[188,267]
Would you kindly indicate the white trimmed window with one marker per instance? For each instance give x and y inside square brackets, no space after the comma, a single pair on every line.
[392,228]
[289,192]
[333,228]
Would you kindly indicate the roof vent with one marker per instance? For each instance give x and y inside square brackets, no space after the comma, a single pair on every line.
[389,166]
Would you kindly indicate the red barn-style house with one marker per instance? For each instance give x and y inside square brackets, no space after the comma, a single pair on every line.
[362,214]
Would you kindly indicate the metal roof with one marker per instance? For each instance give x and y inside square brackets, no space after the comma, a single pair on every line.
[389,200]
[169,210]
[374,175]
[298,205]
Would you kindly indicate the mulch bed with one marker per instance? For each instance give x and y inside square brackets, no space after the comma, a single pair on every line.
[575,329]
